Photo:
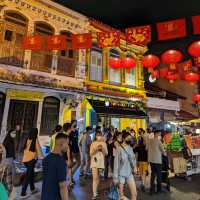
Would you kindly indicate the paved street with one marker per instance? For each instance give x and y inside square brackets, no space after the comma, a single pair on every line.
[181,190]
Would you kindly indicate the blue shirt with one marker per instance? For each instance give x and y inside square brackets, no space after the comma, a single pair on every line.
[54,172]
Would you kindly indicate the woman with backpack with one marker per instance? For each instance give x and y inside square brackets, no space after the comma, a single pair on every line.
[32,151]
[98,151]
[124,165]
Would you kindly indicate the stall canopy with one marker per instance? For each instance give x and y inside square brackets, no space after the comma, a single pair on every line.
[106,108]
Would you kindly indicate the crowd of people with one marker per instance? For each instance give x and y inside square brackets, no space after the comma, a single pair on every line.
[100,153]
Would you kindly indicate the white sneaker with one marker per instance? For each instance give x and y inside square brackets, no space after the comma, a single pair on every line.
[24,196]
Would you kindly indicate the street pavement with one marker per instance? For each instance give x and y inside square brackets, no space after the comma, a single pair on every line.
[180,190]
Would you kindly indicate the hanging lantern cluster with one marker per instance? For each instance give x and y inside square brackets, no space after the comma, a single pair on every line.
[171,58]
[127,63]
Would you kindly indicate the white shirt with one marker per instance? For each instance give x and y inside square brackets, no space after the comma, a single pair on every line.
[97,159]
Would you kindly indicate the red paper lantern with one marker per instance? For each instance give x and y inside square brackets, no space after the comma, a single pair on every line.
[194,49]
[196,98]
[128,63]
[171,77]
[171,57]
[191,77]
[150,61]
[115,63]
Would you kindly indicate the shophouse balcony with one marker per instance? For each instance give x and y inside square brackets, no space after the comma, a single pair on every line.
[41,61]
[66,66]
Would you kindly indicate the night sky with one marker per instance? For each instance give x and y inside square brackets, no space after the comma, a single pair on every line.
[121,14]
[124,13]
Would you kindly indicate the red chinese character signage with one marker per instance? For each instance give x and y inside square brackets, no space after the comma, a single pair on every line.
[171,29]
[81,41]
[56,42]
[108,39]
[138,35]
[33,43]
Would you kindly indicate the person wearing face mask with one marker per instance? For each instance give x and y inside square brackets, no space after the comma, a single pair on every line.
[9,144]
[155,150]
[98,151]
[124,165]
[84,145]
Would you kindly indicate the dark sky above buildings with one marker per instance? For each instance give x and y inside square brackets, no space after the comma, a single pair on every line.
[124,13]
[121,14]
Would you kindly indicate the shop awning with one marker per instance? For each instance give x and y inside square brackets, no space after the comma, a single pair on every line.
[186,116]
[104,108]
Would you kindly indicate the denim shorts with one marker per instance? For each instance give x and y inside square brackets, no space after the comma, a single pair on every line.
[124,179]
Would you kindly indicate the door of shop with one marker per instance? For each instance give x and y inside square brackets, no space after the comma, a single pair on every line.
[23,113]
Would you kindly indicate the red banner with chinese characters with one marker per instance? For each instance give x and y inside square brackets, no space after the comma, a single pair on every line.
[171,29]
[33,43]
[56,42]
[196,24]
[138,35]
[81,41]
[108,39]
[184,67]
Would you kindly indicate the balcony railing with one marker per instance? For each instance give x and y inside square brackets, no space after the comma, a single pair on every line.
[11,55]
[41,61]
[66,66]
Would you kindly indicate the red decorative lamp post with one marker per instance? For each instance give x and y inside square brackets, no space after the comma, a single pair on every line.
[115,63]
[194,50]
[171,76]
[191,77]
[171,58]
[150,61]
[128,63]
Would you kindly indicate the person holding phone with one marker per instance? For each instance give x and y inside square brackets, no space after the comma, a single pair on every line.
[98,151]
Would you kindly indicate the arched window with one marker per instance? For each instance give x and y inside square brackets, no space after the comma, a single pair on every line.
[2,104]
[130,75]
[50,115]
[96,64]
[14,30]
[42,60]
[67,58]
[114,74]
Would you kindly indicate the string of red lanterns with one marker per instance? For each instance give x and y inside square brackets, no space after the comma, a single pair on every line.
[127,63]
